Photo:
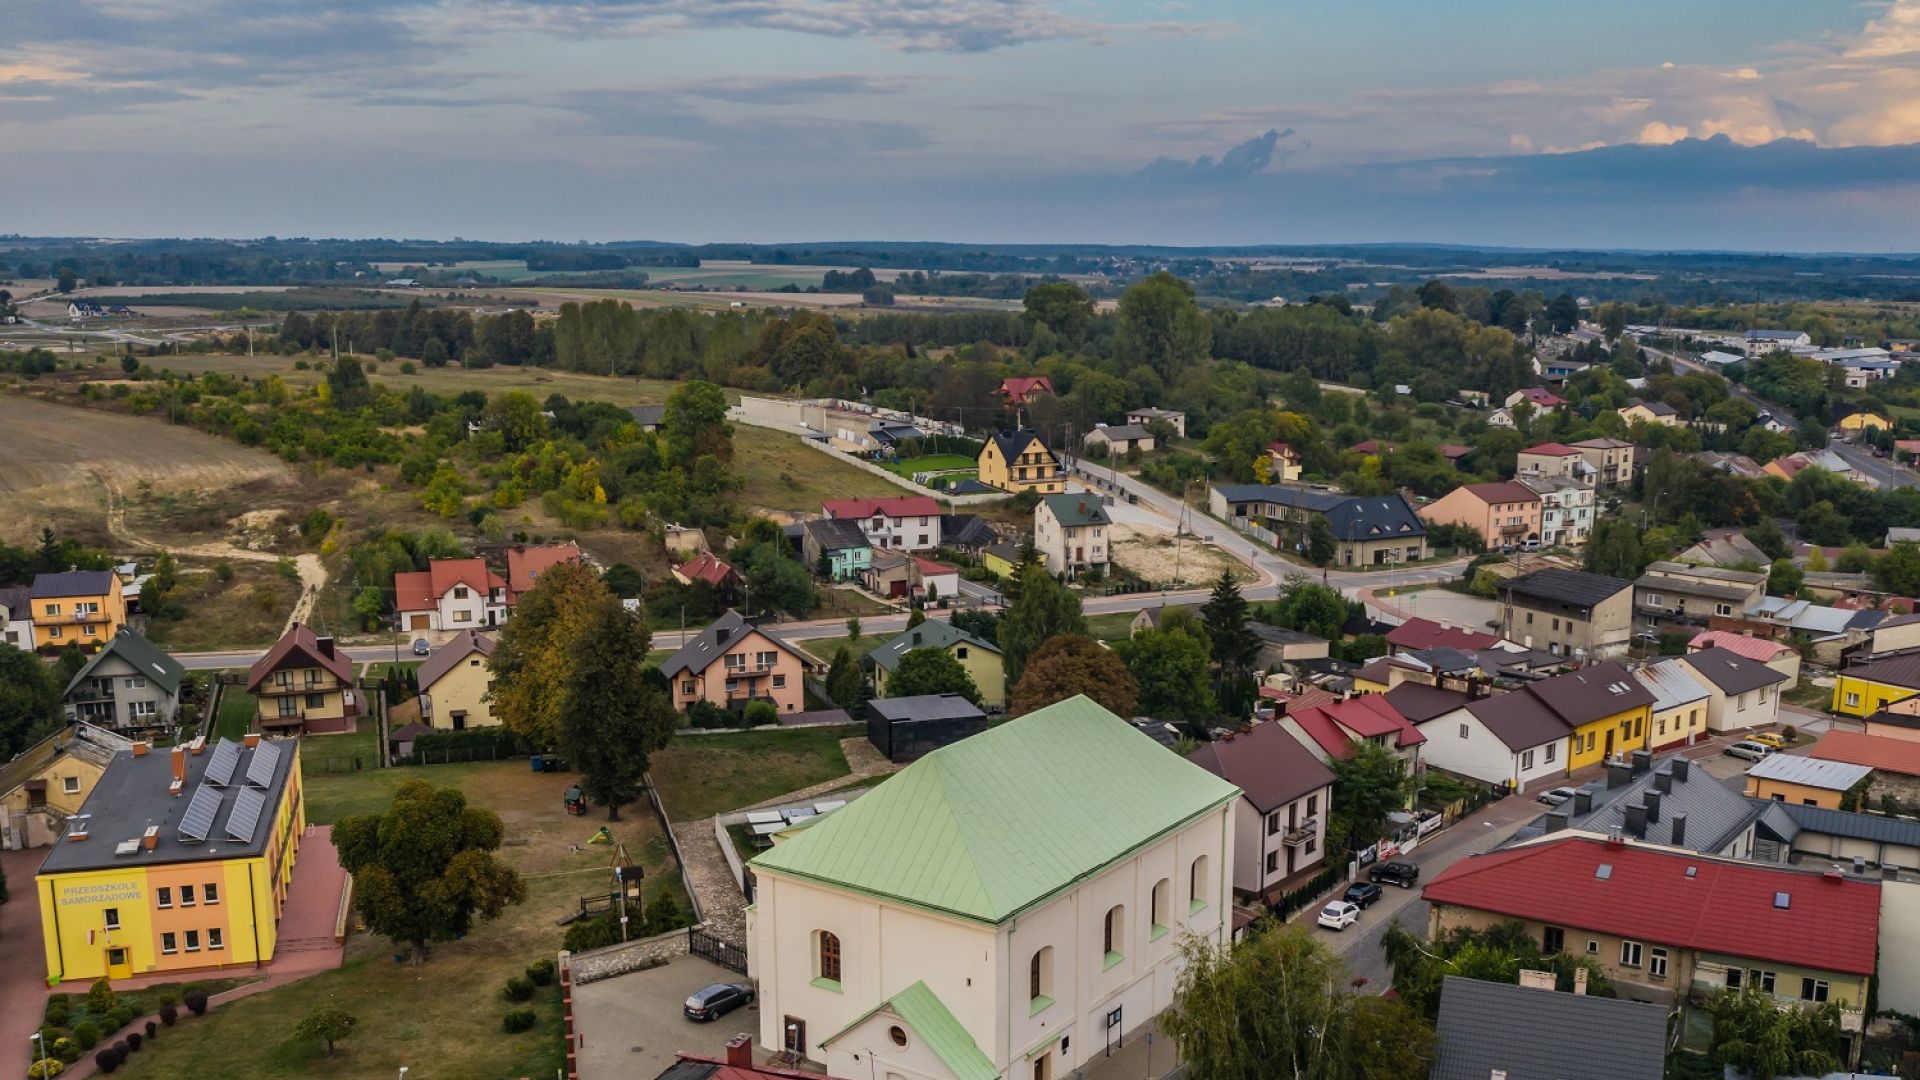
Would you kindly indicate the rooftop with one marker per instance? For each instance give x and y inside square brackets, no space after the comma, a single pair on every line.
[1269,766]
[900,506]
[1880,753]
[1592,693]
[1732,673]
[445,658]
[924,707]
[932,634]
[1673,685]
[1417,633]
[1711,573]
[1504,491]
[1902,671]
[301,647]
[1502,1029]
[1810,771]
[1713,813]
[72,583]
[525,564]
[1746,645]
[1552,449]
[146,657]
[837,534]
[1420,703]
[1519,720]
[1076,510]
[711,644]
[1335,725]
[1567,586]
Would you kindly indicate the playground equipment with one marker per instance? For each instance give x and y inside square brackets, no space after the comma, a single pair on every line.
[576,801]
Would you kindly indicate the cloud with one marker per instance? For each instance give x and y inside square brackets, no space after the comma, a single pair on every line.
[1246,159]
[706,113]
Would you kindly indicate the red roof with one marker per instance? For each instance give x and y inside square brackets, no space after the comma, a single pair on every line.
[1552,449]
[1878,752]
[899,507]
[1371,446]
[524,564]
[1542,396]
[704,567]
[1831,924]
[1451,451]
[1334,726]
[929,566]
[1017,387]
[423,589]
[1752,648]
[1298,699]
[1418,634]
[1283,450]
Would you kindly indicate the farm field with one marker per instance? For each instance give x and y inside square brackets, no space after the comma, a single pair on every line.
[447,380]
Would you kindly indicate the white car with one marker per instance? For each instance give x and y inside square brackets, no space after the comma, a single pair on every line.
[1339,915]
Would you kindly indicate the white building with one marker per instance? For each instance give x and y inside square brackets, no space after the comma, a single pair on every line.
[1280,819]
[1762,342]
[16,618]
[1742,693]
[1566,509]
[450,594]
[1072,533]
[906,523]
[1005,906]
[1512,739]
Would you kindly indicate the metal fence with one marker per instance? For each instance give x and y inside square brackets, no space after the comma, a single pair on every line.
[717,949]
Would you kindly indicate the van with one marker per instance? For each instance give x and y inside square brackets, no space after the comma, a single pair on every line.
[1750,750]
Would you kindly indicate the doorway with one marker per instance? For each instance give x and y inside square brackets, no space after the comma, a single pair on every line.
[1609,753]
[118,965]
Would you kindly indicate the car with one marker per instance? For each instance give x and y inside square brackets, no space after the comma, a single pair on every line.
[1403,874]
[1556,796]
[716,1001]
[1363,893]
[1768,738]
[1748,749]
[1339,915]
[420,647]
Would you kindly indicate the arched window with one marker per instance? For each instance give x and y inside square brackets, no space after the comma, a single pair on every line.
[1197,886]
[829,957]
[1161,901]
[1114,934]
[1040,979]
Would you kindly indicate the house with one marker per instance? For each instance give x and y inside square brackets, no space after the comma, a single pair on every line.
[526,564]
[1761,342]
[1173,418]
[1001,560]
[1019,461]
[903,523]
[754,665]
[707,569]
[1895,762]
[1898,634]
[1567,612]
[78,607]
[1786,468]
[454,684]
[1566,509]
[1116,440]
[1736,464]
[889,434]
[1719,360]
[1072,533]
[842,546]
[1831,628]
[1807,781]
[1868,687]
[129,685]
[1672,593]
[1854,423]
[1149,618]
[981,659]
[1509,739]
[1664,801]
[1554,459]
[917,579]
[1505,514]
[1541,399]
[966,532]
[1279,646]
[1728,548]
[16,617]
[1420,703]
[1368,530]
[934,581]
[1332,729]
[905,729]
[450,594]
[1777,655]
[179,861]
[1280,819]
[647,417]
[1743,693]
[1666,926]
[1429,667]
[1416,634]
[1454,452]
[1681,703]
[304,686]
[1283,463]
[1606,709]
[921,928]
[1021,390]
[1793,832]
[1610,459]
[1651,412]
[46,783]
[1516,1031]
[1502,419]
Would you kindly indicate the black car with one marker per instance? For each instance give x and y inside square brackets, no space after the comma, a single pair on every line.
[1364,893]
[717,1001]
[1403,874]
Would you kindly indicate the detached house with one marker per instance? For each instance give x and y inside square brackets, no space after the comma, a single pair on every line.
[1742,693]
[1117,439]
[1020,390]
[525,565]
[1280,819]
[16,618]
[1283,463]
[1674,593]
[78,607]
[1509,739]
[1610,459]
[1171,417]
[906,523]
[304,685]
[982,660]
[1651,412]
[1330,730]
[1072,533]
[1554,459]
[1019,461]
[129,685]
[451,594]
[1568,613]
[1505,514]
[842,546]
[454,682]
[733,662]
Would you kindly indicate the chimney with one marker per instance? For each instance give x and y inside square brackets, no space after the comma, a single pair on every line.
[251,739]
[1663,782]
[150,838]
[1859,866]
[325,645]
[1681,767]
[1583,802]
[198,746]
[1642,761]
[1618,776]
[1556,821]
[140,748]
[1679,827]
[179,764]
[1637,821]
[1652,799]
[1580,980]
[740,1051]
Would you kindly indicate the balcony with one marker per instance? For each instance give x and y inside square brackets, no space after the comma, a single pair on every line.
[298,716]
[1301,835]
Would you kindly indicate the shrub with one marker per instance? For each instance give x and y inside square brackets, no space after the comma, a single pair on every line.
[169,1015]
[86,1035]
[169,996]
[44,1070]
[122,1048]
[595,933]
[223,570]
[58,1011]
[518,1020]
[100,998]
[541,971]
[67,1050]
[121,1016]
[197,1001]
[153,1029]
[133,1041]
[407,368]
[761,713]
[107,1060]
[1789,733]
[519,988]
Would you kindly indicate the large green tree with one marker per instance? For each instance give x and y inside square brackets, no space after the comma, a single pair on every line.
[424,870]
[347,385]
[1225,617]
[613,717]
[1069,664]
[1041,608]
[1162,327]
[1309,607]
[1496,954]
[1763,1039]
[534,662]
[845,683]
[29,700]
[1369,783]
[931,671]
[517,416]
[1170,665]
[1614,549]
[1064,308]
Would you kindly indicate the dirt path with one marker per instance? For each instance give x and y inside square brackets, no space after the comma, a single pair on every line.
[313,572]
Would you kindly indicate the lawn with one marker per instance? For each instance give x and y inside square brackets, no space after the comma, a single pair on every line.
[344,756]
[1808,696]
[931,463]
[237,709]
[857,648]
[1113,626]
[702,775]
[440,1019]
[781,473]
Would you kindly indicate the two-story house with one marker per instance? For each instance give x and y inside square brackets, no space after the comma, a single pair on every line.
[77,607]
[1072,533]
[1568,613]
[1283,463]
[450,594]
[1566,509]
[526,564]
[1662,801]
[16,617]
[905,523]
[454,684]
[1331,729]
[1280,819]
[1510,739]
[1018,390]
[1605,707]
[304,685]
[129,685]
[926,930]
[1553,459]
[981,659]
[1742,693]
[1651,412]
[1505,514]
[1610,459]
[1020,461]
[733,662]
[1173,418]
[1673,593]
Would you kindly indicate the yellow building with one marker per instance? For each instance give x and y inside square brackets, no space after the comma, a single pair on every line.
[1867,688]
[47,782]
[1607,708]
[179,862]
[982,661]
[454,683]
[1804,781]
[1020,461]
[1855,423]
[304,686]
[78,607]
[1001,560]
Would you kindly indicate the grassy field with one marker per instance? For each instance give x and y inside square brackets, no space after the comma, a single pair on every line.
[702,775]
[930,463]
[783,474]
[1114,626]
[858,648]
[447,380]
[237,708]
[249,610]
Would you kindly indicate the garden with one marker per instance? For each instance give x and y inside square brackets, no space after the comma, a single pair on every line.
[76,1025]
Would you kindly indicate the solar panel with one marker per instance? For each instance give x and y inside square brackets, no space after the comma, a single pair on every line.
[226,758]
[197,822]
[266,758]
[244,821]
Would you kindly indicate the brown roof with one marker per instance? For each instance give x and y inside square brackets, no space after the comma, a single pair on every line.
[448,656]
[1505,491]
[1420,703]
[1519,719]
[1901,671]
[302,645]
[1581,697]
[525,563]
[1268,765]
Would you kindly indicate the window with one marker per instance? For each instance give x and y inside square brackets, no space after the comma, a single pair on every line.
[111,917]
[1852,699]
[1040,980]
[1813,990]
[135,683]
[1526,760]
[960,653]
[827,968]
[163,897]
[1552,940]
[1273,823]
[686,687]
[1764,978]
[1463,731]
[89,630]
[1113,934]
[779,682]
[70,785]
[213,938]
[1654,600]
[1663,725]
[1198,888]
[55,631]
[1733,978]
[193,941]
[1310,846]
[1273,862]
[1657,963]
[459,592]
[210,893]
[169,943]
[1589,741]
[1550,749]
[1593,947]
[1158,903]
[1723,609]
[316,701]
[186,896]
[1630,954]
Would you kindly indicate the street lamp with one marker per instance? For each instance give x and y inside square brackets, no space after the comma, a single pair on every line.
[403,1072]
[42,1044]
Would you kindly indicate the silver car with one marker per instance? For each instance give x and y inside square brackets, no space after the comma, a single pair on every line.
[1752,751]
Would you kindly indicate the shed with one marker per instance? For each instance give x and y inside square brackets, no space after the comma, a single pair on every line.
[905,728]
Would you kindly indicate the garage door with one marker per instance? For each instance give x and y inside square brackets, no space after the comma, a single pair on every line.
[418,622]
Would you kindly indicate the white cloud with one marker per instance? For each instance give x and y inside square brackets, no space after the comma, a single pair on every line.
[1657,133]
[1895,33]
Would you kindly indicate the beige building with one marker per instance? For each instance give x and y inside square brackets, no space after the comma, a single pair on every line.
[305,686]
[1651,412]
[455,683]
[1610,459]
[47,782]
[1568,613]
[1505,514]
[1280,819]
[1675,592]
[1553,460]
[1171,417]
[1742,693]
[733,662]
[1072,533]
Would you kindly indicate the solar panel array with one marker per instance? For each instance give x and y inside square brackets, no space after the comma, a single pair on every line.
[266,758]
[197,823]
[244,821]
[226,758]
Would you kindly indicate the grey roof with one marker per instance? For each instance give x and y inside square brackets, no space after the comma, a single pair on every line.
[15,601]
[1014,443]
[1775,819]
[1503,1029]
[1875,827]
[1586,695]
[1445,660]
[932,634]
[704,648]
[1157,414]
[965,530]
[1902,670]
[1352,517]
[815,718]
[146,658]
[1567,586]
[1272,635]
[1075,510]
[647,415]
[1672,684]
[1809,772]
[906,710]
[1715,813]
[837,534]
[72,583]
[1732,673]
[1519,719]
[1121,432]
[446,657]
[1715,573]
[1775,335]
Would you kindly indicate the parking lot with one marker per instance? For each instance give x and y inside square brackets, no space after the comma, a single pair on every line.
[631,1025]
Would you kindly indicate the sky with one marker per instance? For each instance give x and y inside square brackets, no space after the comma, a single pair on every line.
[1768,125]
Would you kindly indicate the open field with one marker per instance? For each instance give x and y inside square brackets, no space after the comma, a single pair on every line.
[1157,557]
[237,710]
[784,474]
[930,463]
[702,775]
[248,611]
[447,380]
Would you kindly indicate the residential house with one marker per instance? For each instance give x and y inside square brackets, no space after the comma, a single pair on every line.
[304,685]
[1665,801]
[1900,720]
[1681,702]
[1368,530]
[1743,693]
[1149,618]
[903,523]
[1606,708]
[1280,819]
[1567,612]
[1171,417]
[1777,655]
[1429,667]
[1502,419]
[1117,439]
[47,782]
[1726,547]
[897,575]
[526,564]
[981,659]
[1001,560]
[1419,702]
[1510,739]
[450,594]
[1019,461]
[1651,412]
[1666,926]
[1895,762]
[1897,634]
[1720,360]
[889,434]
[1735,464]
[1566,509]
[129,685]
[1072,533]
[1538,397]
[1673,593]
[1505,514]
[841,546]
[1807,781]
[706,568]
[1833,629]
[1554,459]
[1610,459]
[1455,453]
[1283,463]
[454,684]
[79,607]
[1786,468]
[1015,956]
[1869,687]
[1279,646]
[754,664]
[1854,423]
[905,729]
[966,532]
[1417,634]
[16,617]
[1331,730]
[647,417]
[1019,390]
[1517,1031]
[1762,342]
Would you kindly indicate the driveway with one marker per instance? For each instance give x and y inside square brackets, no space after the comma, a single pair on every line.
[23,961]
[631,1025]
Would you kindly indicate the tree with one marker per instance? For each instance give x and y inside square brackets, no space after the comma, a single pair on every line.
[1764,1040]
[425,870]
[1041,608]
[66,279]
[1369,784]
[1161,326]
[613,717]
[1070,664]
[1614,549]
[1171,667]
[533,662]
[1309,607]
[347,385]
[1497,953]
[517,416]
[329,1023]
[1279,1004]
[931,671]
[1563,313]
[1062,306]
[29,701]
[1784,578]
[845,684]
[1225,617]
[1768,538]
[1898,571]
[1321,547]
[853,629]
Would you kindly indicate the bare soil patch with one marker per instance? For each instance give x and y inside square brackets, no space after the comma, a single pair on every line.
[1157,557]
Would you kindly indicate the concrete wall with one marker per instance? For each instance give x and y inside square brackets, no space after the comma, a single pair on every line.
[1900,937]
[596,964]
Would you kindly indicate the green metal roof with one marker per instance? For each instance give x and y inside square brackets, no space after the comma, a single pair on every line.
[146,658]
[1074,510]
[929,1017]
[932,634]
[991,825]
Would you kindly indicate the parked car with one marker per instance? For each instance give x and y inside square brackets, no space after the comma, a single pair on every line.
[1768,738]
[1363,893]
[1403,874]
[420,647]
[1748,749]
[1556,796]
[717,1001]
[1339,915]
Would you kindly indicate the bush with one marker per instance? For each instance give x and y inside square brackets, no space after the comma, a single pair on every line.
[58,1011]
[1789,733]
[107,1060]
[169,996]
[100,998]
[760,714]
[133,1041]
[122,1048]
[594,933]
[518,988]
[153,1029]
[121,1016]
[169,1015]
[541,972]
[67,1050]
[44,1070]
[407,368]
[86,1035]
[517,1021]
[197,1001]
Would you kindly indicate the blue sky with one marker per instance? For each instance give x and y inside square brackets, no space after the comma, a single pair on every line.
[1625,124]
